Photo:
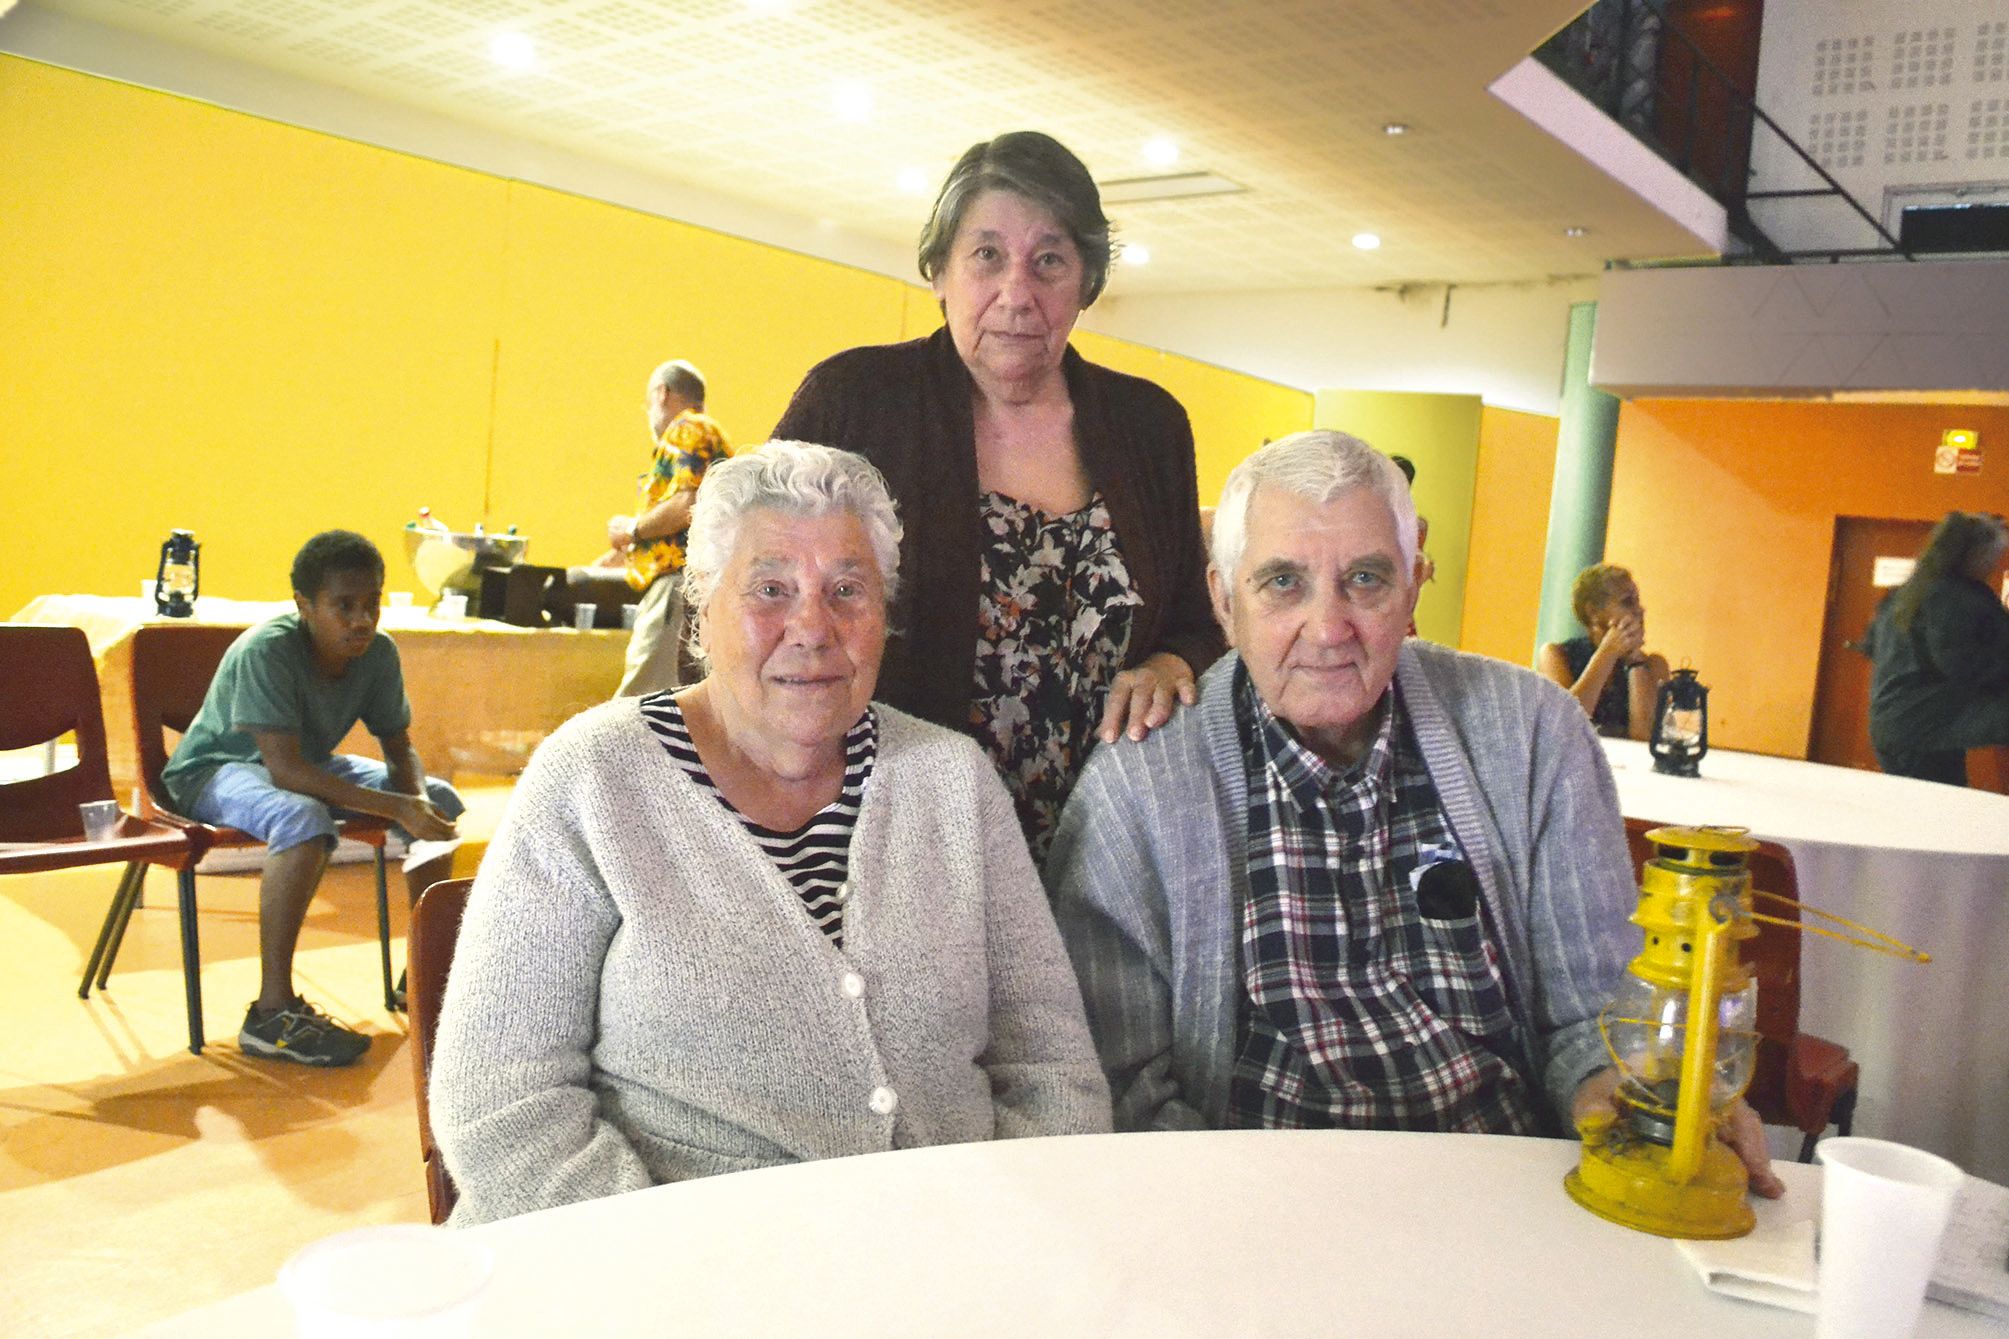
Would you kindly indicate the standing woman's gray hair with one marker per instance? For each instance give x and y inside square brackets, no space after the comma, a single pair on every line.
[800,479]
[1041,169]
[1318,466]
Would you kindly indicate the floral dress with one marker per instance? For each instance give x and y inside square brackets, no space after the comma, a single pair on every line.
[1053,626]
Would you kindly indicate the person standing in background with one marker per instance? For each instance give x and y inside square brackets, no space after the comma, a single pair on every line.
[688,442]
[1057,590]
[1940,643]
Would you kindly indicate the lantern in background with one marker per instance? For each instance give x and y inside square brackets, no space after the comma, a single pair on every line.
[179,576]
[1680,725]
[1680,1029]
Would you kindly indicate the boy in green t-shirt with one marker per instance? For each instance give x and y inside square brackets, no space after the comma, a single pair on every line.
[260,757]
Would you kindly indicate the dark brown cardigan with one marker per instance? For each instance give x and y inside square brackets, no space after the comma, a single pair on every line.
[906,408]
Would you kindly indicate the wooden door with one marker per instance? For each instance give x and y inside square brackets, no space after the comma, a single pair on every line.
[1840,732]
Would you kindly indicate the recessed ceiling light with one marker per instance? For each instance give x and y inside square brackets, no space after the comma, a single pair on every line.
[1575,231]
[852,101]
[512,50]
[1395,128]
[912,181]
[1366,241]
[1161,151]
[1136,255]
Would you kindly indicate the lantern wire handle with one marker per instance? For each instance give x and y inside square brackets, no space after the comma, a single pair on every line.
[1864,936]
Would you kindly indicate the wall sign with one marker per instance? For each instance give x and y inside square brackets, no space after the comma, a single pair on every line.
[1888,572]
[1958,452]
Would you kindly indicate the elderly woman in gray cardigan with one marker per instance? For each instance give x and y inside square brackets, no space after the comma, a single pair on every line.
[759,920]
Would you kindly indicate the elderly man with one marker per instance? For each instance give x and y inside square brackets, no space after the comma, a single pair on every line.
[652,541]
[1365,883]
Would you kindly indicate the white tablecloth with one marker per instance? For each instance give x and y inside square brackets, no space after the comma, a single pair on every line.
[1924,862]
[1164,1235]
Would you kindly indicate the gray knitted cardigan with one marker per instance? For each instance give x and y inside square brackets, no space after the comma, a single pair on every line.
[1149,872]
[638,996]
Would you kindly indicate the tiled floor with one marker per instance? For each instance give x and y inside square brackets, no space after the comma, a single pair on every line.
[138,1180]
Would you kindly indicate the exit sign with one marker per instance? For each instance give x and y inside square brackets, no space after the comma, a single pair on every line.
[1958,452]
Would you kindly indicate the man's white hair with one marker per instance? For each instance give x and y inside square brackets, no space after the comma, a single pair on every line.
[1318,466]
[796,479]
[681,380]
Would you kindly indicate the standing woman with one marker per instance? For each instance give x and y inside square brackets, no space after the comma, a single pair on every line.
[1941,647]
[1056,586]
[1609,671]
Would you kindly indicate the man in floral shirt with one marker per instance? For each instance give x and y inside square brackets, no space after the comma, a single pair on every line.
[652,540]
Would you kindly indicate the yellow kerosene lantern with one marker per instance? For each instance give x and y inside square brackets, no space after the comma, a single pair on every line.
[1681,1031]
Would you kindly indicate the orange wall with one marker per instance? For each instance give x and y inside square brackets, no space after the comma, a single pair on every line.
[1725,512]
[1510,522]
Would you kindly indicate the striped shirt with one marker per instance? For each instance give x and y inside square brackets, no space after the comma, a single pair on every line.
[815,858]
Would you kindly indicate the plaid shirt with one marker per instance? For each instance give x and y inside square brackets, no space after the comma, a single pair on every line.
[1358,1011]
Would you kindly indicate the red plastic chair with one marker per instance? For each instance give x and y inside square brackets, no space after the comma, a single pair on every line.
[172,666]
[1800,1080]
[428,957]
[49,688]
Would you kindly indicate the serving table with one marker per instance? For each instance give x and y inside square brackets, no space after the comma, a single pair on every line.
[482,692]
[1925,862]
[1173,1236]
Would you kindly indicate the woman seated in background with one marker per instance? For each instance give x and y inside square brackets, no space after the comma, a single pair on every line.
[759,920]
[1058,587]
[1941,646]
[1609,672]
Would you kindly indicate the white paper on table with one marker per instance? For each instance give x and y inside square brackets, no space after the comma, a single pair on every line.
[1773,1265]
[1776,1265]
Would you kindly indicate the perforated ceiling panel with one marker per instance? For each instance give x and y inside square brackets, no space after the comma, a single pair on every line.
[819,108]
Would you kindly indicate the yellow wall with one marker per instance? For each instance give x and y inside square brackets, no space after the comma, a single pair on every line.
[1510,522]
[1440,434]
[256,332]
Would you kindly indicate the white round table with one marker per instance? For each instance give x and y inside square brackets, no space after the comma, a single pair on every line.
[1162,1235]
[1921,861]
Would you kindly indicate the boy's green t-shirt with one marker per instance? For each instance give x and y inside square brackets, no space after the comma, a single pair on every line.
[268,681]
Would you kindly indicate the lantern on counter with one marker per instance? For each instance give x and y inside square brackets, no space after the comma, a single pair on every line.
[1680,725]
[1681,1031]
[179,577]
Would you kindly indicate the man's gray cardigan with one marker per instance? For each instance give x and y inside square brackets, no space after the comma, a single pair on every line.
[1149,873]
[638,996]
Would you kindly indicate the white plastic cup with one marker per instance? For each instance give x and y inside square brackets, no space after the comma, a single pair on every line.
[396,1282]
[1883,1209]
[583,614]
[451,605]
[101,819]
[628,612]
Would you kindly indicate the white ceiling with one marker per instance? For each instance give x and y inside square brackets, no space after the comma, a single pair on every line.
[1286,98]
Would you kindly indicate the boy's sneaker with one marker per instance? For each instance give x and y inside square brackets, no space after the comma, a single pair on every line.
[301,1033]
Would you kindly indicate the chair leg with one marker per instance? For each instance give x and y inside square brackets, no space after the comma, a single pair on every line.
[133,900]
[384,929]
[1845,1113]
[1807,1146]
[113,929]
[191,961]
